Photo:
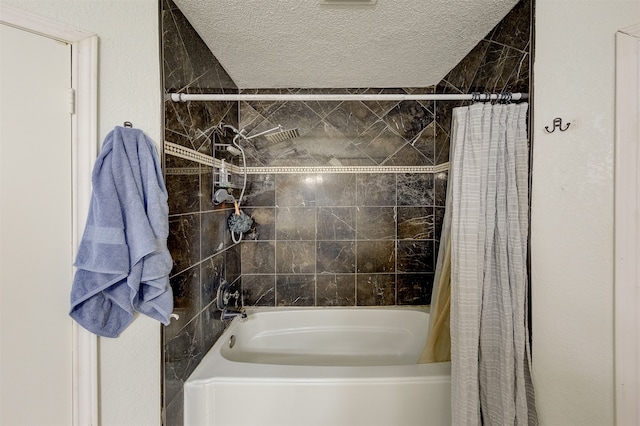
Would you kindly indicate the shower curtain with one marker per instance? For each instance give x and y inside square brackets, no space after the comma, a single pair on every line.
[488,196]
[438,345]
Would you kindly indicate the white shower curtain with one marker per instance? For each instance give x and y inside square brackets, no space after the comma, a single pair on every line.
[490,354]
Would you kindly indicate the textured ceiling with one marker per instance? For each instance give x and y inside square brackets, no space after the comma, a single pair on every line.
[303,43]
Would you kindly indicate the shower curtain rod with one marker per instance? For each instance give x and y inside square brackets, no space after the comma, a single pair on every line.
[184,97]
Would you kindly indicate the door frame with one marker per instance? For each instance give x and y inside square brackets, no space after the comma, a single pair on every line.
[627,227]
[84,149]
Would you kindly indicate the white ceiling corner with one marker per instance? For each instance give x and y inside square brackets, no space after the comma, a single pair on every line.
[306,44]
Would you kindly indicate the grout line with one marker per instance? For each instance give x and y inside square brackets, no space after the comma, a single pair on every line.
[315,257]
[507,46]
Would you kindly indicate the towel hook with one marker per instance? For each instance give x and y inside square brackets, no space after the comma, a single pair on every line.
[128,124]
[557,124]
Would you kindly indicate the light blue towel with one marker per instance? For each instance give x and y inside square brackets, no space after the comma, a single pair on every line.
[123,263]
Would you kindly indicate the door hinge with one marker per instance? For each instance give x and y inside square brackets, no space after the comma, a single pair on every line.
[72,101]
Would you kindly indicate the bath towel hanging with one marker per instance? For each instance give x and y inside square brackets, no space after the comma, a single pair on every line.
[123,263]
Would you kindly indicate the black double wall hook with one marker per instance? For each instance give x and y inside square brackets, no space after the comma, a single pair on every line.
[557,124]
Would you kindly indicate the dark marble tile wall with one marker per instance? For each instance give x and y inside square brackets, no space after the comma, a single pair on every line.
[202,250]
[341,239]
[342,133]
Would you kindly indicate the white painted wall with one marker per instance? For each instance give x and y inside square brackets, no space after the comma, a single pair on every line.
[129,90]
[572,209]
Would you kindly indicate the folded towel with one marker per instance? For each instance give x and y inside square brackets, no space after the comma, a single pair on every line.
[123,263]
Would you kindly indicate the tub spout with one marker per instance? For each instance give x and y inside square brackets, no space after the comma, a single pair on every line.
[228,314]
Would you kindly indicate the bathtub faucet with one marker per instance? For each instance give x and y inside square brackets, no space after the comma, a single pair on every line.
[223,297]
[228,314]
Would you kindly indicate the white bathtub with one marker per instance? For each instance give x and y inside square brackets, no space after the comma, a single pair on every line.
[320,366]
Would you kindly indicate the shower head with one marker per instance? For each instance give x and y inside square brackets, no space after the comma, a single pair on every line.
[277,134]
[282,135]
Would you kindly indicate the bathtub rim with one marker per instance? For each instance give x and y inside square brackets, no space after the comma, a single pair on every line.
[258,309]
[215,368]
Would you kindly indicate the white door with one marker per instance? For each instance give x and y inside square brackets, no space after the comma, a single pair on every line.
[627,227]
[35,230]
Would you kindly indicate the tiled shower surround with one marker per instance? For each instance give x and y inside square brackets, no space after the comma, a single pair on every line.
[347,214]
[329,239]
